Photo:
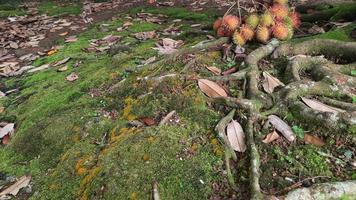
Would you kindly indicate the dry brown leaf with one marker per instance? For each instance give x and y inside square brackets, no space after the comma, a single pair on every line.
[147,121]
[271,137]
[7,130]
[215,70]
[145,35]
[282,127]
[211,89]
[24,181]
[5,140]
[63,34]
[62,69]
[42,67]
[168,46]
[2,109]
[318,106]
[236,136]
[270,82]
[229,71]
[61,62]
[71,39]
[309,139]
[72,77]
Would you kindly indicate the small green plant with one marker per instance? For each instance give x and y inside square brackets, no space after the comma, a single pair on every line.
[298,131]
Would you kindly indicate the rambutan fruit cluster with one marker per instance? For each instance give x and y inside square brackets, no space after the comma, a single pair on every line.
[278,21]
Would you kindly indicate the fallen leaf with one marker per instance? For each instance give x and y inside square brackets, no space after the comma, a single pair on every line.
[24,181]
[309,139]
[195,25]
[72,77]
[229,71]
[14,45]
[211,89]
[64,34]
[215,70]
[149,61]
[168,46]
[61,62]
[52,52]
[62,69]
[270,82]
[5,140]
[167,117]
[282,127]
[71,39]
[2,94]
[7,130]
[271,137]
[2,109]
[236,136]
[147,121]
[42,67]
[145,35]
[318,106]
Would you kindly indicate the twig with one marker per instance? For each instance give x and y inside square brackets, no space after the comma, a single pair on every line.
[167,117]
[298,184]
[229,10]
[238,8]
[155,191]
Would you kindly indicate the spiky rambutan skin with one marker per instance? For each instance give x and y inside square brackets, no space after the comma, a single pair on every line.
[283,2]
[295,17]
[238,39]
[266,19]
[290,32]
[252,20]
[217,24]
[221,32]
[263,34]
[231,22]
[279,11]
[280,31]
[247,32]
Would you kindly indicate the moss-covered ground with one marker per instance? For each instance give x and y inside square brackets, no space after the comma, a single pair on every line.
[73,151]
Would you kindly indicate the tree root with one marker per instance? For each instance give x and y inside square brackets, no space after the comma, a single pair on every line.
[329,48]
[328,81]
[336,190]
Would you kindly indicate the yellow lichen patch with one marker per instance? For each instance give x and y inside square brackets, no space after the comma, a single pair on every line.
[133,196]
[114,75]
[53,186]
[76,138]
[146,157]
[84,190]
[194,147]
[214,142]
[64,156]
[129,103]
[218,150]
[151,139]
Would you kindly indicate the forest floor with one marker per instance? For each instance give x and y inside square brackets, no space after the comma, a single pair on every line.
[88,107]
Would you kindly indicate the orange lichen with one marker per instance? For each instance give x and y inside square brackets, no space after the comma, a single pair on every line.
[80,168]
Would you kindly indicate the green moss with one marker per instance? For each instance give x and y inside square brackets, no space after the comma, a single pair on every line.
[10,9]
[177,13]
[54,9]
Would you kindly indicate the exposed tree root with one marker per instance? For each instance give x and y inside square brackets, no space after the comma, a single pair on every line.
[328,82]
[329,48]
[336,190]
